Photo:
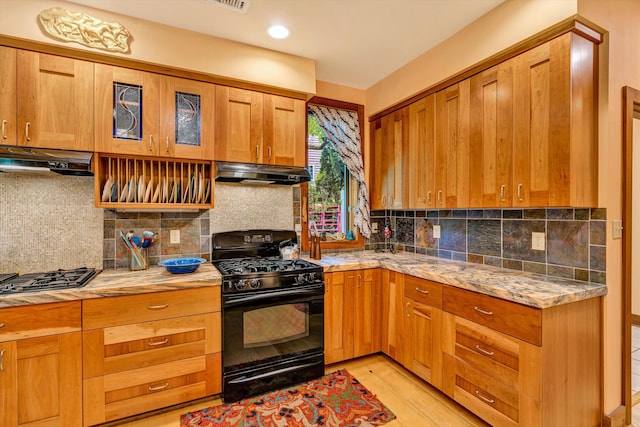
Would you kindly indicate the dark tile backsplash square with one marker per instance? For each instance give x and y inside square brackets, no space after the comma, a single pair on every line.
[575,245]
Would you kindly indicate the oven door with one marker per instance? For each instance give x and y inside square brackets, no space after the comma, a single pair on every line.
[272,339]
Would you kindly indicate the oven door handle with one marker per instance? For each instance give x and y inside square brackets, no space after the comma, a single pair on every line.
[272,373]
[232,301]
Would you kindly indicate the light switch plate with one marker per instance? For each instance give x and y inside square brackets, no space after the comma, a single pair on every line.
[374,227]
[174,237]
[538,241]
[616,232]
[436,231]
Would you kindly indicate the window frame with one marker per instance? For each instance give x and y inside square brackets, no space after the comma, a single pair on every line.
[359,241]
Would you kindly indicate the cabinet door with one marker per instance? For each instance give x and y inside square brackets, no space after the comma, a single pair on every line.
[187,110]
[452,146]
[423,354]
[238,125]
[380,166]
[41,381]
[398,186]
[555,145]
[8,115]
[284,131]
[491,137]
[421,153]
[366,311]
[127,111]
[338,315]
[392,314]
[55,108]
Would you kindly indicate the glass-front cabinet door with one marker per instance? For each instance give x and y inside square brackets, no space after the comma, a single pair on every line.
[187,115]
[127,111]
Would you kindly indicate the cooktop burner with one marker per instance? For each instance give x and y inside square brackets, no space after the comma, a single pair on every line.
[261,265]
[59,279]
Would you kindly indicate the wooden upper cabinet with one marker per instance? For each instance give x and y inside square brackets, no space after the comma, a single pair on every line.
[127,111]
[491,137]
[555,139]
[421,176]
[452,146]
[390,188]
[238,125]
[8,97]
[142,113]
[284,131]
[54,101]
[259,128]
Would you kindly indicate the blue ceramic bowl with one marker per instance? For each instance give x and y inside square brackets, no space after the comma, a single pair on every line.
[182,265]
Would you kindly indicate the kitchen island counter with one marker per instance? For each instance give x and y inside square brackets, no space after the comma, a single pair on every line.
[110,283]
[535,290]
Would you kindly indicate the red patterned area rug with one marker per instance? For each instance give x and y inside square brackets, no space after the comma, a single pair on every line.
[337,399]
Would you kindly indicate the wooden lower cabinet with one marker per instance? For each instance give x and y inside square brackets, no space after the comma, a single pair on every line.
[40,366]
[352,314]
[150,351]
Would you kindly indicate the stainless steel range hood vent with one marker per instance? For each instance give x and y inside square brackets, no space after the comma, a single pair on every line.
[15,159]
[252,173]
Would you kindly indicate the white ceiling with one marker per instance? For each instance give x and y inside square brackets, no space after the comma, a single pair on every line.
[355,43]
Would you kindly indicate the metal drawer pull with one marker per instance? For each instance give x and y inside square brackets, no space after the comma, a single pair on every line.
[483,351]
[520,192]
[502,187]
[4,125]
[484,398]
[2,359]
[164,341]
[157,307]
[422,292]
[167,144]
[406,309]
[2,325]
[257,152]
[481,311]
[439,197]
[150,142]
[269,153]
[428,197]
[160,387]
[26,131]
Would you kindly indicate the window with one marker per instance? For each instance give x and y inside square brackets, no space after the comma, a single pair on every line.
[333,193]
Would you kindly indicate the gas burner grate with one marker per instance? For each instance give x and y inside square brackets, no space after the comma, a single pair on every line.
[58,279]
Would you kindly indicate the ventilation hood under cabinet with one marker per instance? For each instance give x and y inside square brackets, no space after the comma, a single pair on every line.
[14,159]
[264,174]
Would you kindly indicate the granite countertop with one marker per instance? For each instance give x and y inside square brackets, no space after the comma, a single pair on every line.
[531,289]
[110,283]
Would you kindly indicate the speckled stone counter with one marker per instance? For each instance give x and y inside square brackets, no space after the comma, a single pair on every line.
[526,288]
[111,283]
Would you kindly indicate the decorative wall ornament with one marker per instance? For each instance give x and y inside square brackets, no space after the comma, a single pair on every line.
[84,29]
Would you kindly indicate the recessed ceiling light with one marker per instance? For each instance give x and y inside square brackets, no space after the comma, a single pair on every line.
[278,31]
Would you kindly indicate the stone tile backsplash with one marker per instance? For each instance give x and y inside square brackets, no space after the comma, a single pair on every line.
[575,244]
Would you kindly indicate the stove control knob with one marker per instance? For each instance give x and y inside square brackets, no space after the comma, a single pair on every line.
[302,279]
[255,283]
[241,284]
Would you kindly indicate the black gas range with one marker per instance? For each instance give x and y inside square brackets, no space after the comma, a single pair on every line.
[272,313]
[58,279]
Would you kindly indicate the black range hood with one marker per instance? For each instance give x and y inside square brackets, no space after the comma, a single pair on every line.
[18,159]
[252,173]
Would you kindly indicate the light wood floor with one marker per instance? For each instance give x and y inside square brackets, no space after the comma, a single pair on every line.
[414,402]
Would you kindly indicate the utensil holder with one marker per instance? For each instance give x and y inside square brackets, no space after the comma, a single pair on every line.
[133,263]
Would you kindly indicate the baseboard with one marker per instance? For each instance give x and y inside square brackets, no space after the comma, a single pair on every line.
[615,418]
[635,319]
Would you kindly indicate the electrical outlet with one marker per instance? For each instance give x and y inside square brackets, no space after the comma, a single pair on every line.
[298,228]
[616,232]
[374,227]
[436,231]
[538,241]
[174,237]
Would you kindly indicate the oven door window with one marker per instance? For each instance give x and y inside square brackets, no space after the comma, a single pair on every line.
[272,331]
[292,321]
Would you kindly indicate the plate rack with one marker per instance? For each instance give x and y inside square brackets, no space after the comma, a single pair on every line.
[144,182]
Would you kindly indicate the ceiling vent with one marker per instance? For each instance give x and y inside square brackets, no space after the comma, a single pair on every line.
[238,5]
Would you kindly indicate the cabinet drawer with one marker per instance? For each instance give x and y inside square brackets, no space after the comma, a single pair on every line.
[513,319]
[114,311]
[424,291]
[486,397]
[123,394]
[126,347]
[493,353]
[38,320]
